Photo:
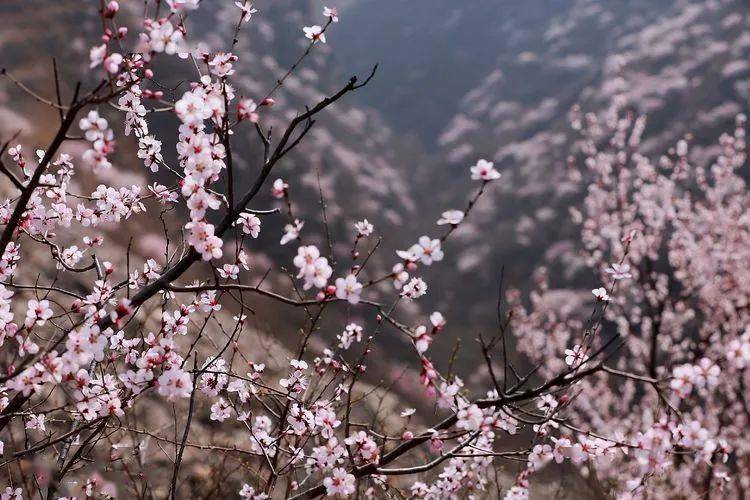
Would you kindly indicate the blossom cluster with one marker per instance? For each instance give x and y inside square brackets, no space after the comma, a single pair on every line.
[656,230]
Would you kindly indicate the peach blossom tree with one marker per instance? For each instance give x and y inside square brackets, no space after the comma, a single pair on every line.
[646,395]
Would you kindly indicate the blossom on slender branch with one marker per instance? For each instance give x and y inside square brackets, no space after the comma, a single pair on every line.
[314,33]
[485,171]
[250,224]
[619,271]
[331,13]
[247,9]
[339,482]
[451,217]
[414,289]
[348,289]
[279,188]
[601,294]
[364,228]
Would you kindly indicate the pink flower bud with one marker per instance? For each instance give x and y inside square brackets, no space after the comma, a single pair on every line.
[268,101]
[436,445]
[407,435]
[111,9]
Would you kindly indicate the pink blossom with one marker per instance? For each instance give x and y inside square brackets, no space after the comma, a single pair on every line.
[601,294]
[619,271]
[36,422]
[220,410]
[422,339]
[576,356]
[221,64]
[174,383]
[291,231]
[97,55]
[313,268]
[427,250]
[340,483]
[414,288]
[333,14]
[348,289]
[247,9]
[314,33]
[451,217]
[246,110]
[250,224]
[364,228]
[352,333]
[279,188]
[470,418]
[437,320]
[112,63]
[485,171]
[37,313]
[229,271]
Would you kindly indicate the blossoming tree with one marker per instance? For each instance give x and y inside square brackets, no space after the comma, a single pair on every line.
[647,395]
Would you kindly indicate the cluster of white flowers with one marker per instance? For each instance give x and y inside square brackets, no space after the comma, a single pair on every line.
[313,268]
[704,374]
[96,130]
[202,156]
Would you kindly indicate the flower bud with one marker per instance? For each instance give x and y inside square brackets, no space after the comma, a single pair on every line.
[111,9]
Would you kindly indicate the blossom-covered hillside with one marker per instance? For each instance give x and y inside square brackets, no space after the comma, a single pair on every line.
[418,249]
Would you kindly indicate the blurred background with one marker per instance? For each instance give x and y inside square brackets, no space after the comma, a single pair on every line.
[456,81]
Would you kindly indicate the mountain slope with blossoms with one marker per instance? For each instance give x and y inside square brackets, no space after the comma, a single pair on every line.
[504,96]
[129,306]
[349,156]
[468,85]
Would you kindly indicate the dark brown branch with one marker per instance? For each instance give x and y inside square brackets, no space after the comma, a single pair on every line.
[186,432]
